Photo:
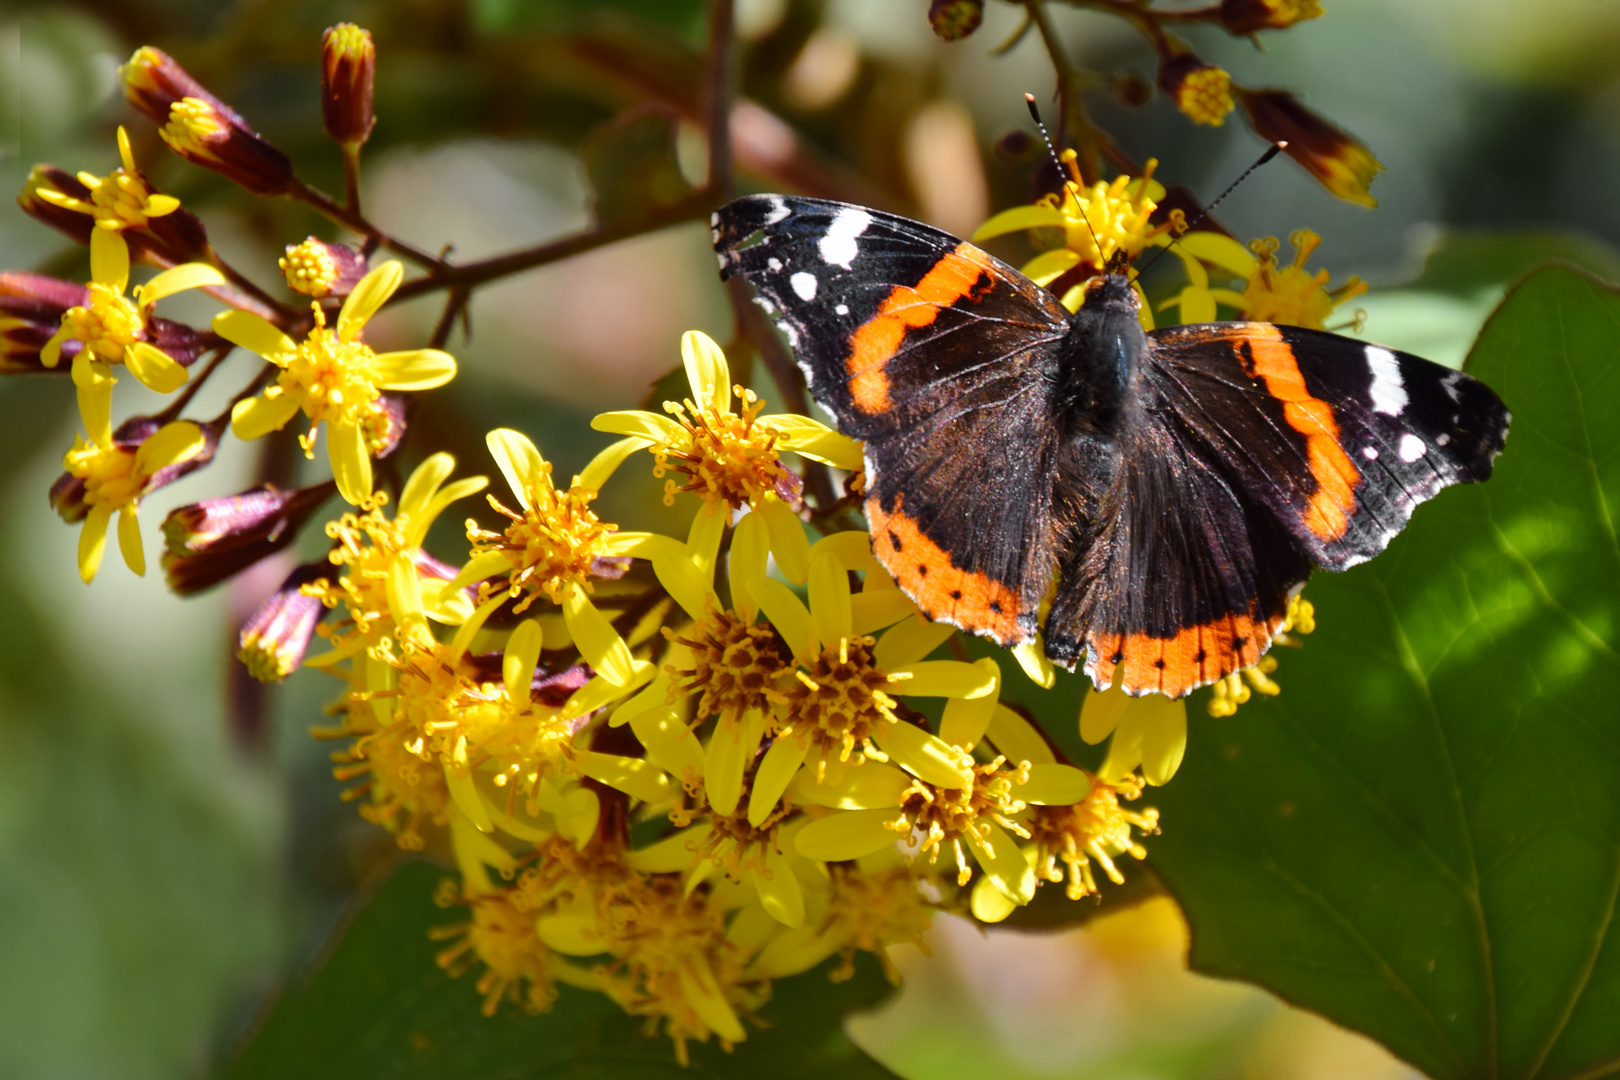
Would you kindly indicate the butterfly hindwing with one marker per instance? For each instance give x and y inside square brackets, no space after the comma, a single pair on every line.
[1339,438]
[941,358]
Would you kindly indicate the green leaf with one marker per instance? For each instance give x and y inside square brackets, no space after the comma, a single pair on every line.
[1420,839]
[379,1006]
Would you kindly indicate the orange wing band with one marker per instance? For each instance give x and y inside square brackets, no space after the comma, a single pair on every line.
[974,601]
[1328,513]
[1176,666]
[875,341]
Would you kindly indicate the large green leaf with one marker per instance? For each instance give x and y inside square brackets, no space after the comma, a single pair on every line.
[1420,838]
[378,1006]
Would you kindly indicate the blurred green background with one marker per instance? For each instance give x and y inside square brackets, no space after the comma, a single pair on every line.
[172,846]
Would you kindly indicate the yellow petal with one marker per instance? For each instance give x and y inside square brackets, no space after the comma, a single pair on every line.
[1003,863]
[792,952]
[910,641]
[1017,737]
[1100,713]
[126,153]
[848,834]
[257,417]
[371,293]
[51,353]
[703,994]
[599,692]
[1223,251]
[873,785]
[787,613]
[1019,217]
[706,370]
[1164,736]
[171,444]
[779,890]
[160,205]
[989,903]
[1054,785]
[1124,750]
[826,445]
[776,770]
[673,854]
[178,279]
[109,259]
[519,461]
[943,678]
[129,540]
[654,696]
[924,755]
[94,384]
[424,481]
[853,549]
[703,541]
[351,463]
[415,369]
[727,756]
[967,719]
[522,656]
[829,601]
[93,541]
[404,597]
[465,794]
[750,550]
[636,777]
[873,609]
[572,934]
[422,519]
[788,542]
[598,642]
[640,424]
[605,464]
[1197,305]
[1031,656]
[255,334]
[1048,266]
[669,744]
[154,367]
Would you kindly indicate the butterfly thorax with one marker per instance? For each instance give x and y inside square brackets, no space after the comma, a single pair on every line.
[1100,354]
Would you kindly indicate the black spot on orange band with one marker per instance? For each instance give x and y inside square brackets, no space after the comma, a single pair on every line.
[1176,666]
[969,599]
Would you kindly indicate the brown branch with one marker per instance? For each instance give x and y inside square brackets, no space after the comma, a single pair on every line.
[326,206]
[1088,141]
[719,86]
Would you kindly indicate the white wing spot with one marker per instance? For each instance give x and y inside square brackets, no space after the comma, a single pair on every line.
[773,264]
[1387,390]
[1370,453]
[765,305]
[838,246]
[804,284]
[841,309]
[790,332]
[1449,384]
[1442,439]
[1411,448]
[779,210]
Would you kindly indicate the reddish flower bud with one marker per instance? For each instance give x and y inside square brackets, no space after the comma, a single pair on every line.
[954,20]
[316,268]
[67,495]
[1203,92]
[215,539]
[274,640]
[201,128]
[348,65]
[165,241]
[1247,16]
[1340,161]
[31,310]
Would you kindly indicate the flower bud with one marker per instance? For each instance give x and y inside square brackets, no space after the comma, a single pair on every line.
[68,494]
[348,65]
[1247,16]
[201,128]
[215,539]
[1336,158]
[165,241]
[954,20]
[1203,92]
[31,310]
[274,640]
[316,268]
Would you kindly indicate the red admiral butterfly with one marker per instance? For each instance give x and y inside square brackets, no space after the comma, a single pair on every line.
[1182,482]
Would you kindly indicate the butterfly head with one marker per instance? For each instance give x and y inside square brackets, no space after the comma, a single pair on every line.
[1110,292]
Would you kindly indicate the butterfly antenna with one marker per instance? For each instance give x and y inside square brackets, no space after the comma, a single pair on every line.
[1271,151]
[1063,173]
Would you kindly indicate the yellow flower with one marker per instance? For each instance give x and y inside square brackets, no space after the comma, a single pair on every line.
[120,200]
[733,459]
[1148,731]
[1233,690]
[335,378]
[502,937]
[1096,829]
[1102,220]
[1203,92]
[114,477]
[114,328]
[1290,295]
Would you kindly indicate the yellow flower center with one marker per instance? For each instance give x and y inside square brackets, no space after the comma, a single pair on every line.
[555,542]
[108,324]
[332,379]
[873,910]
[366,544]
[109,474]
[1115,214]
[120,199]
[402,792]
[1096,828]
[733,844]
[734,664]
[1292,295]
[503,938]
[309,268]
[726,458]
[946,815]
[1205,96]
[838,703]
[349,40]
[192,124]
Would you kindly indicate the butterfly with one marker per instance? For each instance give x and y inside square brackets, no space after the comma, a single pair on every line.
[1166,492]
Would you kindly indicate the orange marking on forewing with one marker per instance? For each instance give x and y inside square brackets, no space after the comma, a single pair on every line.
[875,341]
[1328,513]
[941,590]
[1183,671]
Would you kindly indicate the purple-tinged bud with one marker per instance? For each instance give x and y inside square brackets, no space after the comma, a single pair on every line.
[69,494]
[200,127]
[215,539]
[276,637]
[316,268]
[165,241]
[954,20]
[1340,161]
[348,66]
[1247,16]
[31,310]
